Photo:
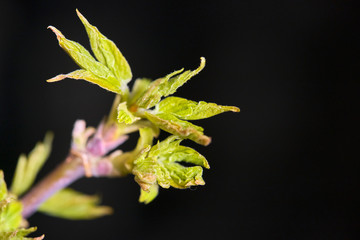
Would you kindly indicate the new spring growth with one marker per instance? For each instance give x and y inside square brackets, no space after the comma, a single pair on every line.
[147,107]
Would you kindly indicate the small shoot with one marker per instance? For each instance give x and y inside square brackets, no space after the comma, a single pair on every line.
[28,167]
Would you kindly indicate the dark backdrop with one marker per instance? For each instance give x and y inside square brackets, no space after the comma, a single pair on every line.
[286,167]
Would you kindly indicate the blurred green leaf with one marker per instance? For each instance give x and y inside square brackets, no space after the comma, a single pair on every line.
[107,53]
[190,110]
[162,165]
[183,129]
[70,204]
[28,167]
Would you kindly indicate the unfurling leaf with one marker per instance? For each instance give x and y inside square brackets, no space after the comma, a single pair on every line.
[106,52]
[124,163]
[140,86]
[177,81]
[162,165]
[183,129]
[28,167]
[70,204]
[166,86]
[10,216]
[155,91]
[124,115]
[111,72]
[190,110]
[148,196]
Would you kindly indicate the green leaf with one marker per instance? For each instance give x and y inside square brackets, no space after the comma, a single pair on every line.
[183,129]
[162,165]
[145,139]
[179,80]
[19,234]
[140,86]
[171,149]
[85,75]
[3,188]
[92,70]
[124,115]
[190,110]
[154,92]
[70,204]
[148,196]
[166,86]
[124,163]
[28,167]
[10,208]
[106,52]
[10,216]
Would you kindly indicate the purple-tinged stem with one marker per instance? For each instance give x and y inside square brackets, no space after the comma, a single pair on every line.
[87,157]
[65,174]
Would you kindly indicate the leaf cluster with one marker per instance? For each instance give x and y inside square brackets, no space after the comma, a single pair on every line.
[148,101]
[10,216]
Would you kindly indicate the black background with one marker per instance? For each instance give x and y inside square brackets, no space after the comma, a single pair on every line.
[286,167]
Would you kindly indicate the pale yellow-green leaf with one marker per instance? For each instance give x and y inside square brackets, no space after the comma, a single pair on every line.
[10,208]
[106,52]
[70,204]
[181,128]
[3,188]
[155,91]
[171,149]
[95,72]
[124,163]
[10,216]
[145,170]
[19,234]
[140,86]
[166,86]
[181,177]
[145,139]
[28,167]
[191,110]
[148,196]
[82,74]
[124,115]
[162,165]
[177,81]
